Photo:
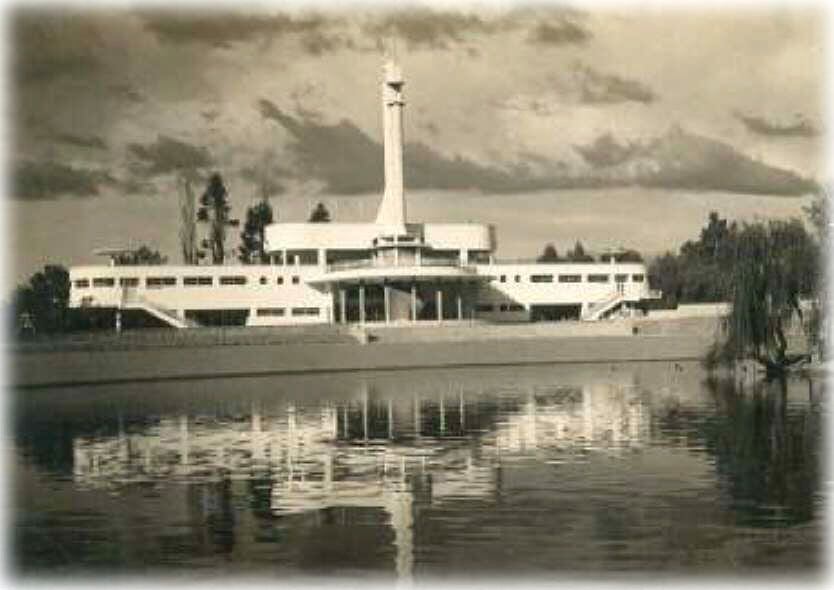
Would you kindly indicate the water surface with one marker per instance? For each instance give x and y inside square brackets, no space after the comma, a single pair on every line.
[581,469]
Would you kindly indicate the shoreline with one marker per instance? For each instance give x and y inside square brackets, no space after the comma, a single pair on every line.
[384,352]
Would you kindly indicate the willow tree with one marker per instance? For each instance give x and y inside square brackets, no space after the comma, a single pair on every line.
[776,266]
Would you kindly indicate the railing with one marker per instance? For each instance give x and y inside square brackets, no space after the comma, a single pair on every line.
[373,263]
[597,308]
[131,298]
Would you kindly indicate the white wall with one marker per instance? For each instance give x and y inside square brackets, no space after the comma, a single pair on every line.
[357,236]
[556,293]
[177,298]
[253,295]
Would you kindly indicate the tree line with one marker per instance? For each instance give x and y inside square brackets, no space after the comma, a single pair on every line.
[578,254]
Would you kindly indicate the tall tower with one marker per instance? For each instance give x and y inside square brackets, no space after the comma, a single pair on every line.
[391,211]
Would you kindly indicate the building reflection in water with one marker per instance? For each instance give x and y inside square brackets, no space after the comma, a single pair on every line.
[388,451]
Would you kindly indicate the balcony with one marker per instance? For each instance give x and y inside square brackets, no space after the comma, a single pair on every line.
[375,264]
[376,270]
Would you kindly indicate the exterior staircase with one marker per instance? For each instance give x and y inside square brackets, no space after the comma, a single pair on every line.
[598,309]
[132,300]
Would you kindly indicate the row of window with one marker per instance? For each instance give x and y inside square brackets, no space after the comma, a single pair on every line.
[281,312]
[160,282]
[487,307]
[591,278]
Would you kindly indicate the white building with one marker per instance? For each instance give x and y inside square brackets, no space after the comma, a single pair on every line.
[386,271]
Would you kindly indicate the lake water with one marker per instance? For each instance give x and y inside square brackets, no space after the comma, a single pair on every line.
[521,471]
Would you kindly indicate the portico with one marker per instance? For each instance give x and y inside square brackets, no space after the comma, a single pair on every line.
[404,299]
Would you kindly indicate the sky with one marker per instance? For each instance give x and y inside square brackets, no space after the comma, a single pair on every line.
[619,127]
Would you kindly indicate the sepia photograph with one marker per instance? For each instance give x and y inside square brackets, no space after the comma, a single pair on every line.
[416,294]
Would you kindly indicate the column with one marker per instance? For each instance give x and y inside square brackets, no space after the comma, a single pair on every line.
[417,419]
[390,419]
[118,320]
[387,296]
[361,304]
[439,304]
[365,414]
[460,307]
[413,302]
[342,306]
[442,415]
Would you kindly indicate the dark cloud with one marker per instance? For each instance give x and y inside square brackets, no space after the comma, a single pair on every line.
[348,161]
[223,30]
[83,141]
[599,88]
[761,126]
[426,28]
[127,93]
[48,180]
[687,161]
[169,155]
[341,155]
[606,151]
[559,32]
[682,160]
[53,44]
[265,180]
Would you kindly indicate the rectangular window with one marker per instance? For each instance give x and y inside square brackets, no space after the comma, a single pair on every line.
[503,278]
[515,307]
[295,280]
[197,281]
[598,278]
[541,278]
[517,278]
[302,311]
[159,282]
[570,278]
[620,278]
[128,282]
[484,307]
[270,312]
[104,282]
[237,280]
[82,283]
[637,278]
[280,280]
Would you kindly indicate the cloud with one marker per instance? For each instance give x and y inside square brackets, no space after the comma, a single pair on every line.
[127,93]
[169,155]
[761,126]
[48,180]
[223,30]
[559,32]
[606,151]
[687,161]
[49,45]
[679,160]
[83,141]
[427,29]
[599,88]
[348,161]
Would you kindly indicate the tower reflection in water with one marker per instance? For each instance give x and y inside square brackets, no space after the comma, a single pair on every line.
[372,448]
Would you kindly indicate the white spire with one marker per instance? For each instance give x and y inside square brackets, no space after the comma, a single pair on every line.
[392,208]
